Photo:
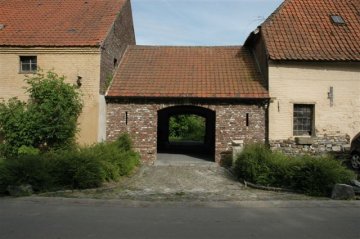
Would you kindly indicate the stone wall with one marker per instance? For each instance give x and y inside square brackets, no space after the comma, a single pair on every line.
[139,119]
[313,146]
[119,37]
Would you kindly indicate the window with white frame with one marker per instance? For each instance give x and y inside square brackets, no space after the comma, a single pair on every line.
[28,64]
[303,120]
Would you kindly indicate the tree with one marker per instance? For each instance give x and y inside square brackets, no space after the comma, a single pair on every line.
[187,127]
[47,120]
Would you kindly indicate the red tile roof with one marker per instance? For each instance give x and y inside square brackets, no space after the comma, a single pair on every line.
[194,72]
[56,22]
[303,30]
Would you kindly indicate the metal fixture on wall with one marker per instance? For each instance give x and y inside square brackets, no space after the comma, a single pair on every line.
[79,81]
[331,96]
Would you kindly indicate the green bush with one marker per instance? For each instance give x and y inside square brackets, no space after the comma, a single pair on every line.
[124,142]
[47,120]
[78,168]
[311,175]
[28,150]
[3,183]
[117,158]
[317,176]
[27,169]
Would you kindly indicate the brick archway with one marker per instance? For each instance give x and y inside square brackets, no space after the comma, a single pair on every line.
[163,144]
[231,120]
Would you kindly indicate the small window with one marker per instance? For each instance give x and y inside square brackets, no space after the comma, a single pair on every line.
[303,120]
[337,19]
[28,64]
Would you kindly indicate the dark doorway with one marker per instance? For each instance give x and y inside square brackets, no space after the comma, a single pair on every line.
[172,138]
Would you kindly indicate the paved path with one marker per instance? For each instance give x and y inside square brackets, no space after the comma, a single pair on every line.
[78,218]
[182,179]
[166,159]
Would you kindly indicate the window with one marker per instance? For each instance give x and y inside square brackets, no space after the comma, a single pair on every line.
[28,64]
[337,19]
[303,120]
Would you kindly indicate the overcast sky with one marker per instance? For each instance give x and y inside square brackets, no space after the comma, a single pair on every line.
[198,22]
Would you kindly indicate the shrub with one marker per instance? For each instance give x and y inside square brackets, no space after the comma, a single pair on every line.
[47,120]
[117,158]
[124,143]
[28,150]
[27,169]
[311,175]
[317,176]
[3,182]
[251,164]
[76,170]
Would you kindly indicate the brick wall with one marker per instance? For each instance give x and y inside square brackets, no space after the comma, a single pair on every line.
[120,36]
[139,119]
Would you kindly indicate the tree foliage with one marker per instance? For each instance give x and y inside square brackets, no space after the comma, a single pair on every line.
[187,127]
[47,120]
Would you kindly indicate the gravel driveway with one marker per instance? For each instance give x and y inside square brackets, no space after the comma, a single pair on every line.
[182,180]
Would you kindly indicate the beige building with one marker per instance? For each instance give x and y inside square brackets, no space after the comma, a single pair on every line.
[309,54]
[85,50]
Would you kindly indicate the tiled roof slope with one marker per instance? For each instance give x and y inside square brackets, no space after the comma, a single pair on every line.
[56,22]
[194,72]
[303,30]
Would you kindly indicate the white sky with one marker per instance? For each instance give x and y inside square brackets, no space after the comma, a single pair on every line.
[198,22]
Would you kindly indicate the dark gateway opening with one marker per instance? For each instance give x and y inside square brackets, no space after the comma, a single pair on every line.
[187,130]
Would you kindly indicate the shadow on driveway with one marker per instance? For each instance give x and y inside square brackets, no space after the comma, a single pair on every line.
[178,159]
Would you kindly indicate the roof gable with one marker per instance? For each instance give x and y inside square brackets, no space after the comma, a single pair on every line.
[192,72]
[56,22]
[304,30]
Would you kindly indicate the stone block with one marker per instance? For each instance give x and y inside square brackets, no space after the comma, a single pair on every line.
[304,140]
[346,147]
[20,191]
[342,192]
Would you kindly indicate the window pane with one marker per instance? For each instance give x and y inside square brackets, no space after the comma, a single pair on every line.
[303,120]
[33,66]
[25,67]
[28,63]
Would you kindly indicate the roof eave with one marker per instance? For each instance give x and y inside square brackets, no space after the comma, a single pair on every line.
[267,97]
[313,60]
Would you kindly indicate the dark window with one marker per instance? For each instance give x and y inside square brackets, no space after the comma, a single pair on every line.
[28,63]
[337,19]
[303,120]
